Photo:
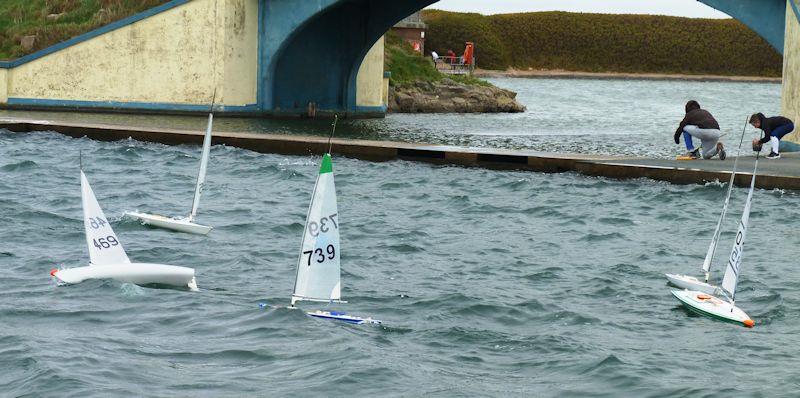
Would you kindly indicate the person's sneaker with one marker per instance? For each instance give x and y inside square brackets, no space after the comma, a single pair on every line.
[695,154]
[721,151]
[773,155]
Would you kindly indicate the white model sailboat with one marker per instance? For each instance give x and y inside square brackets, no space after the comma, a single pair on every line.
[107,258]
[318,267]
[185,224]
[714,307]
[694,283]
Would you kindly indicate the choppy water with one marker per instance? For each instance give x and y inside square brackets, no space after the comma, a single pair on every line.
[490,283]
[617,117]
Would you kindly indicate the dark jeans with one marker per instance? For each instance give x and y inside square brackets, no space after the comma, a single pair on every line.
[780,131]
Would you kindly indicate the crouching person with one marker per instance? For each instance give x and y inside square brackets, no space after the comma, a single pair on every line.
[774,129]
[700,124]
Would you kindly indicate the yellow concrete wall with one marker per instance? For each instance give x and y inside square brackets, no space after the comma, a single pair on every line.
[369,82]
[790,93]
[3,86]
[240,48]
[178,57]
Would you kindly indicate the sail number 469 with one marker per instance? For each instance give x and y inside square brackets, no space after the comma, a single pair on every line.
[319,255]
[324,225]
[105,243]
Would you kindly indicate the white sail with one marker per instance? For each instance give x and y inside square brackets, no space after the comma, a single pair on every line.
[104,247]
[318,268]
[735,259]
[712,248]
[201,176]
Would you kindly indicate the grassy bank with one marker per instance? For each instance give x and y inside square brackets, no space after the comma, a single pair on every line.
[408,66]
[605,43]
[69,18]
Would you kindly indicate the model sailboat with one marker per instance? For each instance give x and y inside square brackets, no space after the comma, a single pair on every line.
[185,224]
[107,258]
[318,267]
[714,307]
[694,283]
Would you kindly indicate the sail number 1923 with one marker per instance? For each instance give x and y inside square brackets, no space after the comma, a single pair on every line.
[324,225]
[320,255]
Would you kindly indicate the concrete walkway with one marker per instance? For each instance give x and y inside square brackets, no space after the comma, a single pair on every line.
[783,173]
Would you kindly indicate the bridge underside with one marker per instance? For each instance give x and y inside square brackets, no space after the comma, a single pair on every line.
[259,57]
[319,60]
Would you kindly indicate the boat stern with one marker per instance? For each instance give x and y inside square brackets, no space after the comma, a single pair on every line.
[713,307]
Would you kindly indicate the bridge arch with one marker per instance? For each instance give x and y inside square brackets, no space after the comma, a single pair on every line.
[319,61]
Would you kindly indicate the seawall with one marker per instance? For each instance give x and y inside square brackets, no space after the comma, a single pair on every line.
[782,174]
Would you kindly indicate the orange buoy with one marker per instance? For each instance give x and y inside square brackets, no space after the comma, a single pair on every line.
[53,272]
[749,323]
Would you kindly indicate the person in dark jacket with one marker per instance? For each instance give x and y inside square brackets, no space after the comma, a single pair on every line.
[700,124]
[774,129]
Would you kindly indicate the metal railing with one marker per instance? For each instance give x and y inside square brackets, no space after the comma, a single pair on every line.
[450,65]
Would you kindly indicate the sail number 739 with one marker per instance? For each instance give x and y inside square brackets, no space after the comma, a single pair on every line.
[319,255]
[323,225]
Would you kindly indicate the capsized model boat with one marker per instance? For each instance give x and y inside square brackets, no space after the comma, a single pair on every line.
[185,224]
[714,307]
[694,283]
[107,258]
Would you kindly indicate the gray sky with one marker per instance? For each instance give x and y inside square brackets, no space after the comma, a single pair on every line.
[682,8]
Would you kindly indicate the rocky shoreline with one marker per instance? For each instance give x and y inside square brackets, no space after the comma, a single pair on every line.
[448,96]
[564,74]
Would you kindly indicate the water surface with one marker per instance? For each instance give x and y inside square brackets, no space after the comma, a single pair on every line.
[490,283]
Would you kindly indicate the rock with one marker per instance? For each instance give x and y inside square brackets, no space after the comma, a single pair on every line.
[27,42]
[448,96]
[54,17]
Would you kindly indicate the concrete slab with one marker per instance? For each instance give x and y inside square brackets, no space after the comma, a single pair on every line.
[783,173]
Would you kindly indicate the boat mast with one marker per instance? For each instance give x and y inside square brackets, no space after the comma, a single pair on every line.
[203,160]
[308,213]
[712,249]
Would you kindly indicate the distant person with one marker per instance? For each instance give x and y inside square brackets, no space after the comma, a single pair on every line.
[435,56]
[451,56]
[774,129]
[699,123]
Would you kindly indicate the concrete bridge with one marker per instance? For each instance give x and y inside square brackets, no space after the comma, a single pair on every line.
[270,57]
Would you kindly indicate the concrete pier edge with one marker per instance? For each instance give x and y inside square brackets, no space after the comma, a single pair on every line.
[677,172]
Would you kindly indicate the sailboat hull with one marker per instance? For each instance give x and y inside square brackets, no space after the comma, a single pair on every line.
[690,283]
[175,224]
[712,307]
[343,317]
[139,274]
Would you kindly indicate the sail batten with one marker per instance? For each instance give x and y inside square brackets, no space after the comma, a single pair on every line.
[104,246]
[201,176]
[318,265]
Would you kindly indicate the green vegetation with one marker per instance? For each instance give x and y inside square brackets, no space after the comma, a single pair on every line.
[605,43]
[408,66]
[20,18]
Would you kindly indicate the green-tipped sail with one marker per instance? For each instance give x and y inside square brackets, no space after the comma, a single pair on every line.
[318,269]
[327,164]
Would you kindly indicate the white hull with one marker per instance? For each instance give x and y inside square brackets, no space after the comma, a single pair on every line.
[691,283]
[140,274]
[714,307]
[341,316]
[175,224]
